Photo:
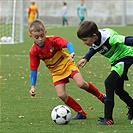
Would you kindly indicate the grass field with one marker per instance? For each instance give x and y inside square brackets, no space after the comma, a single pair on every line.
[19,113]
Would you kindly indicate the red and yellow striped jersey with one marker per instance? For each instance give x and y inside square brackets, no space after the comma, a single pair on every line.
[53,55]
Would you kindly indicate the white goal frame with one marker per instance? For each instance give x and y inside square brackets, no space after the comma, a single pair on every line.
[12,27]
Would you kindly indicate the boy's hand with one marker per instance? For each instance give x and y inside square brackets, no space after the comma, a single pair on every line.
[82,63]
[71,56]
[32,91]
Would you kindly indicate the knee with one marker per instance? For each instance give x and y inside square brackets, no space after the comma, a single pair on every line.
[62,96]
[82,85]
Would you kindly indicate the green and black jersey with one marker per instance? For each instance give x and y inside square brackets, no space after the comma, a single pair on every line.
[111,45]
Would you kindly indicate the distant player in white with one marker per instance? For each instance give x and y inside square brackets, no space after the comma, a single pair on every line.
[64,14]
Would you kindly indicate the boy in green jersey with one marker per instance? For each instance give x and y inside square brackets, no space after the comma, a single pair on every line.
[115,47]
[81,11]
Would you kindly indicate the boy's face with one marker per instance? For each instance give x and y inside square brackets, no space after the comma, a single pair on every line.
[39,37]
[90,40]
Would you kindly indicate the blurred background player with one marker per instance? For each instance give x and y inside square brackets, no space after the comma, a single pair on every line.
[81,11]
[32,12]
[64,14]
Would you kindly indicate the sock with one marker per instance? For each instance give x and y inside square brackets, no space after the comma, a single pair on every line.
[74,105]
[93,90]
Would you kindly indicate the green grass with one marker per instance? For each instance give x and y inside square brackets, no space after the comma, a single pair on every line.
[19,113]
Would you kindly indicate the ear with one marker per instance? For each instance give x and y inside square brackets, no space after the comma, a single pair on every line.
[45,31]
[94,35]
[30,35]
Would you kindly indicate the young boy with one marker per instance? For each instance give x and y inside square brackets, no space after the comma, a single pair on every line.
[113,46]
[32,12]
[81,11]
[59,63]
[64,14]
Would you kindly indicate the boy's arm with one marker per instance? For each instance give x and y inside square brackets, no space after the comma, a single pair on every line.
[37,15]
[129,41]
[70,47]
[33,77]
[86,58]
[89,54]
[29,12]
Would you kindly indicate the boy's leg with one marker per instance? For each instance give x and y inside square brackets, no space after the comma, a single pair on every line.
[89,87]
[69,101]
[66,22]
[93,90]
[63,21]
[124,95]
[110,85]
[75,106]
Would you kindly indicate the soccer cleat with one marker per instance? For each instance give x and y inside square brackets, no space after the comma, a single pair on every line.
[79,116]
[102,97]
[130,114]
[105,121]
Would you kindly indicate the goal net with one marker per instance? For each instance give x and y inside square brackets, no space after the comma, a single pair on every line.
[11,21]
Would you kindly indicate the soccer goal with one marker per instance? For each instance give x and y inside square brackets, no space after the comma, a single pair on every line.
[11,21]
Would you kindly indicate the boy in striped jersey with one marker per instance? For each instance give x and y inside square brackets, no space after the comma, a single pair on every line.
[49,49]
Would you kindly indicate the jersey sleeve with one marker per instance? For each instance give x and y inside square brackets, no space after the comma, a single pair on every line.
[34,60]
[129,40]
[29,10]
[70,47]
[34,64]
[33,77]
[89,54]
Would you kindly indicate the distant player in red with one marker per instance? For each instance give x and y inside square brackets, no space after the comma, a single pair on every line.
[60,64]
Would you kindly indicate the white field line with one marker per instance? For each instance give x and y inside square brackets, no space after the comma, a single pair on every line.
[7,55]
[25,56]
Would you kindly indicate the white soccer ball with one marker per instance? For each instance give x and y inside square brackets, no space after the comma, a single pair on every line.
[9,39]
[3,39]
[132,122]
[61,114]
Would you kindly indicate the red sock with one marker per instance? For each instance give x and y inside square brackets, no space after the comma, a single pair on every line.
[74,105]
[93,90]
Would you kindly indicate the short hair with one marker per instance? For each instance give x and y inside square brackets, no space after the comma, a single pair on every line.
[64,3]
[36,25]
[87,29]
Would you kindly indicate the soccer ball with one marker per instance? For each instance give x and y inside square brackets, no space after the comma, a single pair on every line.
[3,39]
[9,39]
[6,39]
[61,114]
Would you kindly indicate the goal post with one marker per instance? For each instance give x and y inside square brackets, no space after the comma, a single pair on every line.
[11,21]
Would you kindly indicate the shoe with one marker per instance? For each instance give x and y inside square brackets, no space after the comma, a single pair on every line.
[102,97]
[130,114]
[79,116]
[105,121]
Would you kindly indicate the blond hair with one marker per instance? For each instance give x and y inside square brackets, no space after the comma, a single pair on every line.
[36,25]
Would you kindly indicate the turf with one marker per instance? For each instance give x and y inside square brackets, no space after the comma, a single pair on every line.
[19,113]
